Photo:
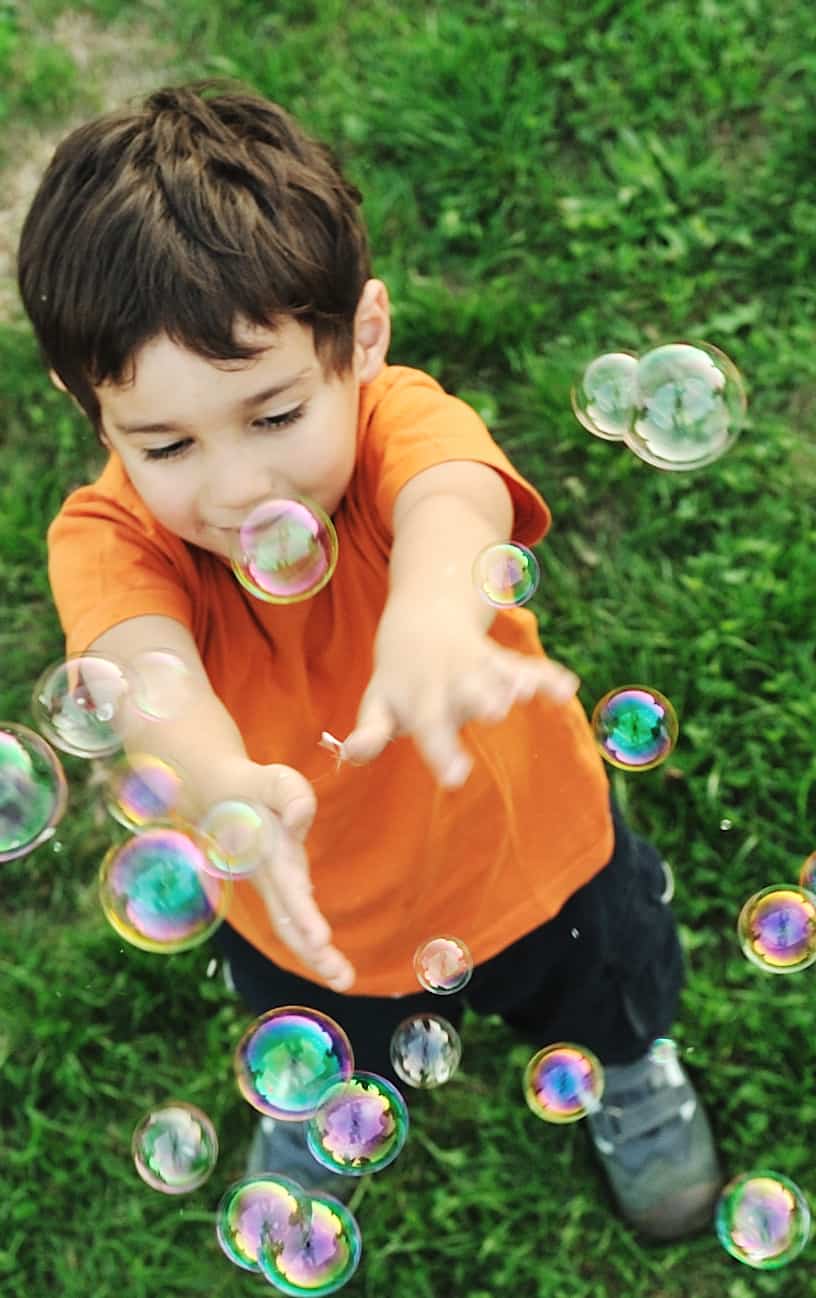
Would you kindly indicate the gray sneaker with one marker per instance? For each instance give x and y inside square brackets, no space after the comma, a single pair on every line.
[281,1147]
[653,1139]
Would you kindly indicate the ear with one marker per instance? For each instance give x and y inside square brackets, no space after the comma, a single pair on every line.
[372,330]
[56,380]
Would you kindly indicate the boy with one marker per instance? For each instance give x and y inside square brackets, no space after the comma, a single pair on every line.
[198,278]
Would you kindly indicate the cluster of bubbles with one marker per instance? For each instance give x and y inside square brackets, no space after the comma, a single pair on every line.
[678,406]
[168,886]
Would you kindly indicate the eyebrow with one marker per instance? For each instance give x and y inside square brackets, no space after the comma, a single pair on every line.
[255,400]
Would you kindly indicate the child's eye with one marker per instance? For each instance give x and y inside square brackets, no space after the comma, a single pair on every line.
[267,421]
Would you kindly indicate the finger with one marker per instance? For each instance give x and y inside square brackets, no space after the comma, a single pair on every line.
[292,796]
[375,727]
[437,738]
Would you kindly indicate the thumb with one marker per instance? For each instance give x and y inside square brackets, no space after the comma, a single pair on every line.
[291,795]
[375,727]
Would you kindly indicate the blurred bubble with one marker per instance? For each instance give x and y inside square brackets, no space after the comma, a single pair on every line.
[604,398]
[690,406]
[243,833]
[563,1082]
[175,1148]
[33,791]
[807,874]
[425,1051]
[288,1057]
[286,551]
[269,1205]
[635,727]
[360,1127]
[316,1257]
[76,703]
[142,789]
[506,574]
[777,929]
[156,892]
[762,1219]
[443,965]
[161,685]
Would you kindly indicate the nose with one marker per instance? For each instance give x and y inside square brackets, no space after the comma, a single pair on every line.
[235,484]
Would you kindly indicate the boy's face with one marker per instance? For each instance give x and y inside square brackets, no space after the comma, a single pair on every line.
[224,453]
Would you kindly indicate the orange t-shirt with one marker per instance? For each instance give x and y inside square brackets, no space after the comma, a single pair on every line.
[395,858]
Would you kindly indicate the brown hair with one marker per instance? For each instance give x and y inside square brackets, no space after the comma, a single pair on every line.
[176,219]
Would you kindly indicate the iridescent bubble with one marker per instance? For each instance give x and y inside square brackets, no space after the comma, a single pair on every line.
[257,1207]
[317,1258]
[635,727]
[762,1219]
[506,574]
[76,704]
[175,1148]
[287,1059]
[33,791]
[777,928]
[142,789]
[443,965]
[563,1082]
[156,892]
[243,831]
[425,1051]
[690,406]
[286,551]
[360,1126]
[161,684]
[807,874]
[605,396]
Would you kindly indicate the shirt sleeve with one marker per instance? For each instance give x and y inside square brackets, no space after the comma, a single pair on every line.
[412,424]
[108,561]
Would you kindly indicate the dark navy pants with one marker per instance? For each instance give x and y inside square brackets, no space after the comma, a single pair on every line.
[606,972]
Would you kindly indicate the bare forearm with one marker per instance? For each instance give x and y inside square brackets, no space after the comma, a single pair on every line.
[431,569]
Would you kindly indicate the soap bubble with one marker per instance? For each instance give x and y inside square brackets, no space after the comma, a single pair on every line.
[777,928]
[142,789]
[444,965]
[76,702]
[161,687]
[33,791]
[317,1257]
[425,1051]
[635,727]
[690,406]
[605,396]
[268,1205]
[286,551]
[762,1219]
[243,833]
[156,892]
[288,1057]
[807,874]
[360,1126]
[506,574]
[175,1148]
[563,1082]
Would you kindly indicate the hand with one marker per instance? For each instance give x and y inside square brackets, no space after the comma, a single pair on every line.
[282,876]
[429,681]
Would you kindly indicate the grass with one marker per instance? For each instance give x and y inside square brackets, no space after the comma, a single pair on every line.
[542,183]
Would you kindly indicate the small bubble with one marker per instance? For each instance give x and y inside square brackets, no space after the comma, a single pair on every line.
[726,824]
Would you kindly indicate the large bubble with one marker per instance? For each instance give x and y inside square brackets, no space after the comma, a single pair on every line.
[33,791]
[286,551]
[156,892]
[762,1219]
[175,1148]
[360,1126]
[287,1059]
[777,928]
[318,1257]
[79,705]
[257,1208]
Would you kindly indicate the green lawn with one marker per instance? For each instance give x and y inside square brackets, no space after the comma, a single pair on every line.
[542,182]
